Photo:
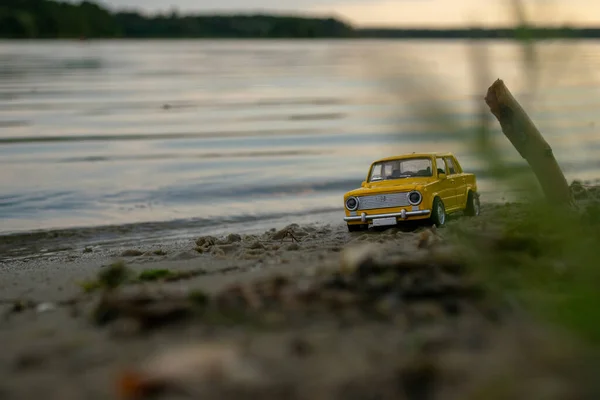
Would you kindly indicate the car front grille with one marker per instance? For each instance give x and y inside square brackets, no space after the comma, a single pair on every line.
[383,201]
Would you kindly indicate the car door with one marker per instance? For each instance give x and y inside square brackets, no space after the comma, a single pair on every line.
[446,188]
[455,181]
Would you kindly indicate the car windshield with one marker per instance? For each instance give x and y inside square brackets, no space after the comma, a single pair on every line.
[403,168]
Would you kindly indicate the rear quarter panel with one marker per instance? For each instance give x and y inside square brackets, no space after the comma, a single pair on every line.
[469,184]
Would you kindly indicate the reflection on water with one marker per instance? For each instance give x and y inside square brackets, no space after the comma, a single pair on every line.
[114,132]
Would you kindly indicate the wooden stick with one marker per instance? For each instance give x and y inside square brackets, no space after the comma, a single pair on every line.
[525,137]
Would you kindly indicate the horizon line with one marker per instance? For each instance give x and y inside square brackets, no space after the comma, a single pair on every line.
[354,25]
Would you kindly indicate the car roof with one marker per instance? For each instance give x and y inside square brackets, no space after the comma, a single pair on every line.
[411,155]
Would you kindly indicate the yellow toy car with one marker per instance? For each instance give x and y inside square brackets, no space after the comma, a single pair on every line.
[411,187]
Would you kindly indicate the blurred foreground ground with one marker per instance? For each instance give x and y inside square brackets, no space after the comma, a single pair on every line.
[375,315]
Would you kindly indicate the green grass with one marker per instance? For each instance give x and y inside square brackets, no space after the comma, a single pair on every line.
[118,274]
[546,258]
[155,274]
[108,278]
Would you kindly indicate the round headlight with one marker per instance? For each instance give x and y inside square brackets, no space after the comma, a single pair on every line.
[352,203]
[414,198]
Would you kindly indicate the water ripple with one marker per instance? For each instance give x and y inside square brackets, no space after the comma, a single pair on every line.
[164,135]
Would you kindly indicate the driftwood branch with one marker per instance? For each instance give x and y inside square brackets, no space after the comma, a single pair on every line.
[528,141]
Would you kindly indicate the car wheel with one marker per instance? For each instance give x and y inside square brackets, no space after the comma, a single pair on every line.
[473,207]
[438,213]
[356,228]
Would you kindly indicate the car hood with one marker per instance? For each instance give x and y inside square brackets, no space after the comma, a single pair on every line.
[392,185]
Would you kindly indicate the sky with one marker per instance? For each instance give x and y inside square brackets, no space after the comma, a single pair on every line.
[440,13]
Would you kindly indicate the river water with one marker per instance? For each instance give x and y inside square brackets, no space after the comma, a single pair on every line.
[208,134]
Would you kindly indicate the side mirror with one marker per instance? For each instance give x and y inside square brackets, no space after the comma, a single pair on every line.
[442,176]
[363,184]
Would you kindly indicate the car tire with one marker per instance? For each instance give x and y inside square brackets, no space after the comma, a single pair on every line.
[438,213]
[473,206]
[356,228]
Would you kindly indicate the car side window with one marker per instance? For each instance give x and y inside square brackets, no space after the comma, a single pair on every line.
[451,169]
[440,165]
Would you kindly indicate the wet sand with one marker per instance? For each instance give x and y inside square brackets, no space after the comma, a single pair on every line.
[315,314]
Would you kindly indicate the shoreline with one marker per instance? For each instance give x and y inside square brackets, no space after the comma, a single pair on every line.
[391,37]
[63,262]
[28,242]
[82,251]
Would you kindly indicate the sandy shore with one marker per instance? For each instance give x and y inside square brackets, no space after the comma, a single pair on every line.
[324,314]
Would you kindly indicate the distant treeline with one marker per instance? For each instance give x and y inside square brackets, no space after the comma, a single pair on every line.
[53,19]
[476,33]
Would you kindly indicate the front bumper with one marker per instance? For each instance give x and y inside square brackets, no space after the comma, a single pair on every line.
[402,214]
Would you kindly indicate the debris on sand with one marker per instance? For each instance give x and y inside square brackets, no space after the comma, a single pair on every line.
[148,309]
[352,257]
[132,253]
[369,280]
[585,192]
[287,232]
[187,368]
[113,275]
[206,241]
[429,238]
[118,274]
[45,307]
